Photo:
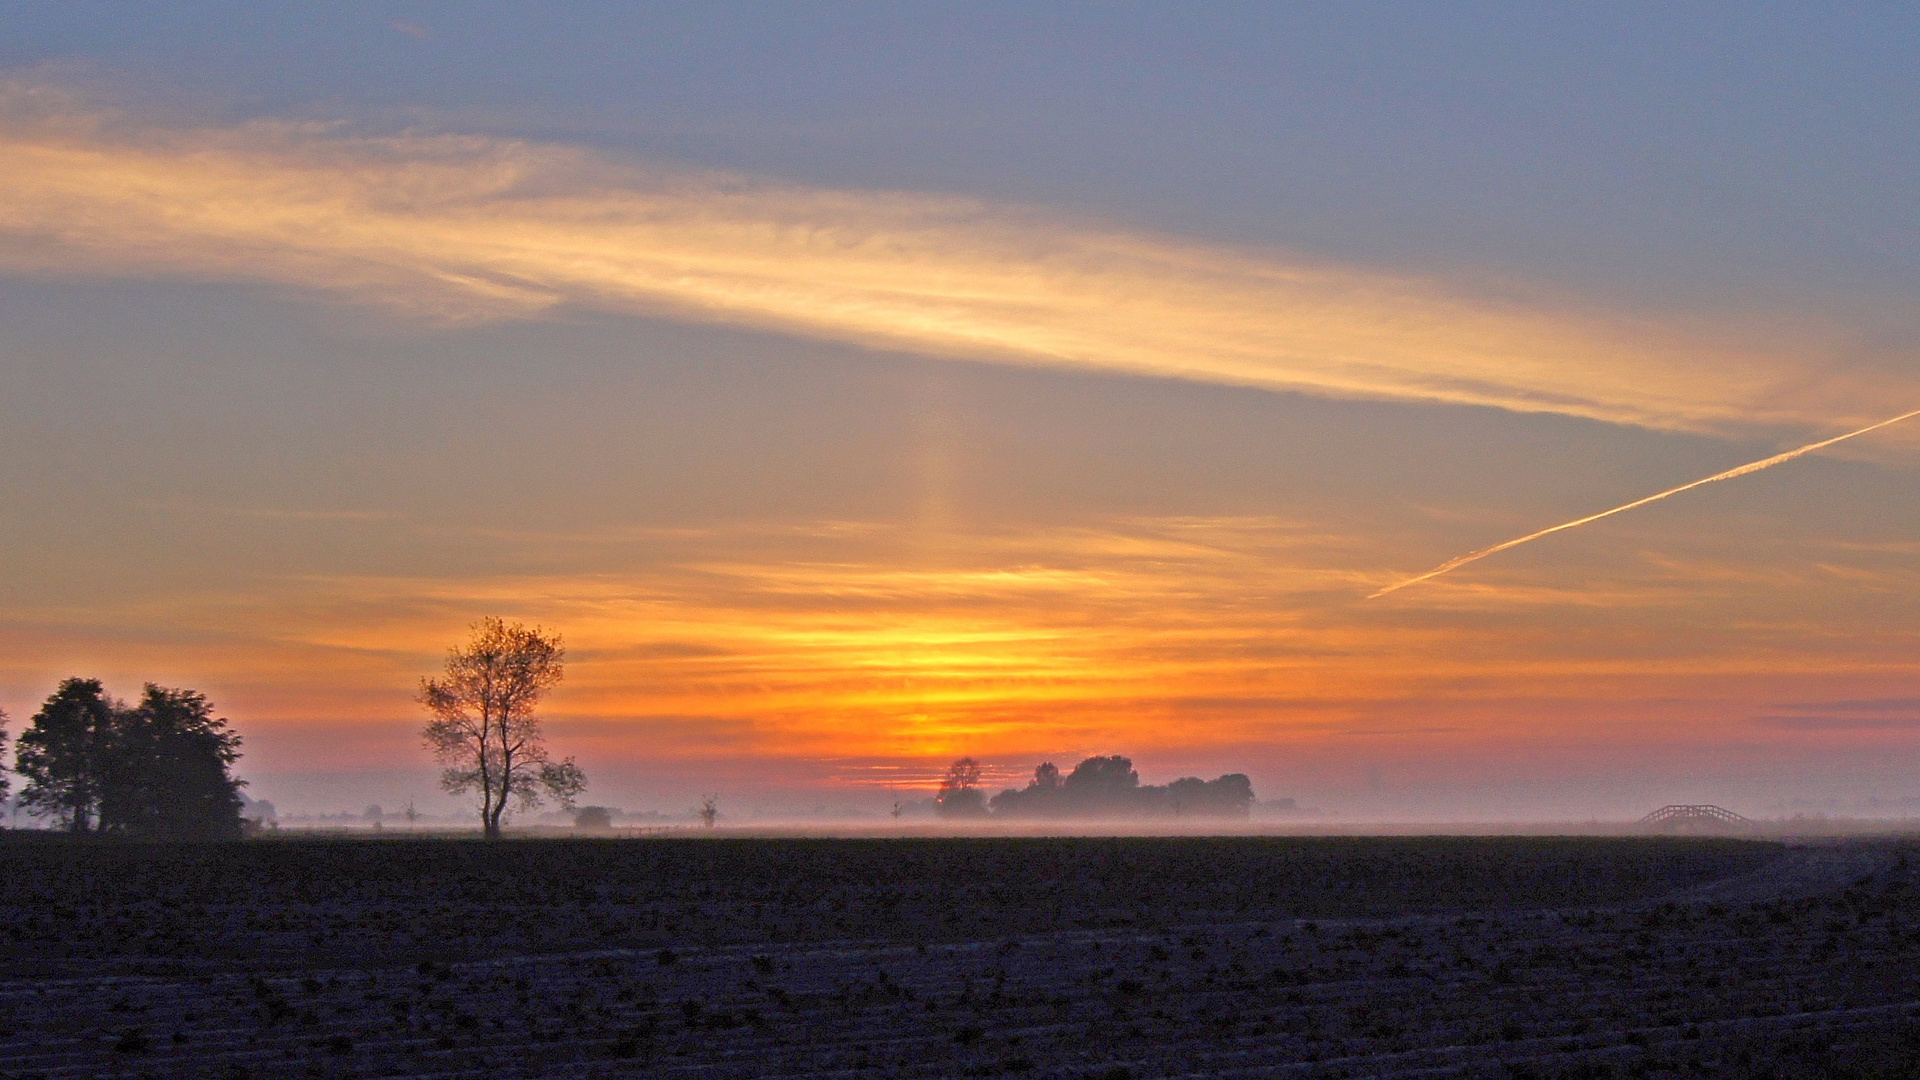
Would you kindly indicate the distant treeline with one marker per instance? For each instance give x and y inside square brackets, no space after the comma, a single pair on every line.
[157,769]
[1099,787]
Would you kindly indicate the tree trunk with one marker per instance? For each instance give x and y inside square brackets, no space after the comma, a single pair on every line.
[490,817]
[505,779]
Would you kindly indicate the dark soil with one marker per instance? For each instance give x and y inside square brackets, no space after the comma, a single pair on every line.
[1494,957]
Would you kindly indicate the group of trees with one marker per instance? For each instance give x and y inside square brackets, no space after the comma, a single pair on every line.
[161,768]
[1099,787]
[158,769]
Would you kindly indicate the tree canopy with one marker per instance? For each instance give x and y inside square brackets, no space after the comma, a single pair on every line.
[160,769]
[62,754]
[960,795]
[167,776]
[484,731]
[1102,787]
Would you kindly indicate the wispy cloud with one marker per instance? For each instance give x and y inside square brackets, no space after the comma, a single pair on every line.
[1849,714]
[1081,637]
[1840,723]
[781,641]
[1871,705]
[459,227]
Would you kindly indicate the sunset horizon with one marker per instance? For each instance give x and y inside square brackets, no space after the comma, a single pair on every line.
[1478,416]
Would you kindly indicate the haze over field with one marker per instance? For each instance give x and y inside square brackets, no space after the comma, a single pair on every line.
[862,387]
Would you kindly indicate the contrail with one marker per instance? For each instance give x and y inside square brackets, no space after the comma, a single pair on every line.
[1751,467]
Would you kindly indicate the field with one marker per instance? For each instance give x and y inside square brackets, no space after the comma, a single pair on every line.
[1105,958]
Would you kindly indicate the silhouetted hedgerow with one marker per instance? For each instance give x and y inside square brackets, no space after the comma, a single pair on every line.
[1108,787]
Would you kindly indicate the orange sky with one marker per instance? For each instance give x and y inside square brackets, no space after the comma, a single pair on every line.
[827,485]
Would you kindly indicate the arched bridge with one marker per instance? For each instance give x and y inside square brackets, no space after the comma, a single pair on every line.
[1695,816]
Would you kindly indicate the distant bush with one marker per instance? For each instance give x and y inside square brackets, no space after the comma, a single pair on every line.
[960,795]
[1109,787]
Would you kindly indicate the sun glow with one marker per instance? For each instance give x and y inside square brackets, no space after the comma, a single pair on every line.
[1174,635]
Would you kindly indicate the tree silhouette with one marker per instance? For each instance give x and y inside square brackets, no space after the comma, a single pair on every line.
[1102,787]
[484,730]
[1103,776]
[167,770]
[960,795]
[1045,796]
[159,770]
[63,751]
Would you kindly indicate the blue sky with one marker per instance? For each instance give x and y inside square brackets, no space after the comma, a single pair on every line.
[1711,147]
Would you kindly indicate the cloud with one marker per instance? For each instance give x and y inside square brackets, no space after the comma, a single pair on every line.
[781,641]
[1892,704]
[1074,638]
[455,227]
[1840,723]
[1857,714]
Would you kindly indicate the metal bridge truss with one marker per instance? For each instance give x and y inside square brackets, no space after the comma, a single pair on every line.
[1680,816]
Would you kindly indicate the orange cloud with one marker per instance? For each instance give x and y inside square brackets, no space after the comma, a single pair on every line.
[1148,636]
[461,227]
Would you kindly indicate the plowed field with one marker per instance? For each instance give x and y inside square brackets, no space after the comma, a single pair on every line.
[1242,957]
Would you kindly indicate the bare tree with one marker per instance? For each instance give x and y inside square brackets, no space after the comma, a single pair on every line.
[483,729]
[709,810]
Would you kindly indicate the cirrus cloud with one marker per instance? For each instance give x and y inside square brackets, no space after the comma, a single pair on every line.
[468,227]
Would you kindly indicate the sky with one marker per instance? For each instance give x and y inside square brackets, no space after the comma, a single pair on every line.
[859,386]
